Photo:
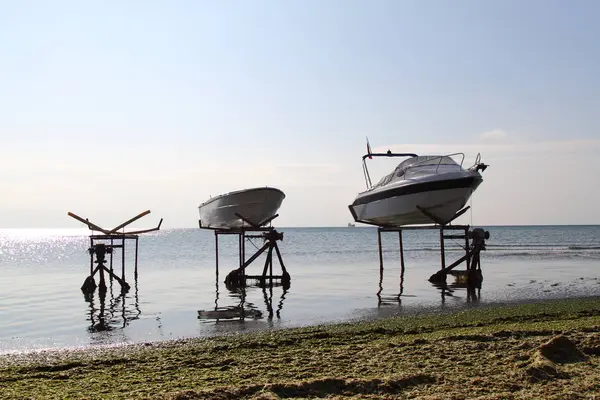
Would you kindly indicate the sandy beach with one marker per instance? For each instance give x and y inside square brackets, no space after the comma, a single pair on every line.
[538,350]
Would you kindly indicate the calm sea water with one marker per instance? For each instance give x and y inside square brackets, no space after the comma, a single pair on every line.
[335,277]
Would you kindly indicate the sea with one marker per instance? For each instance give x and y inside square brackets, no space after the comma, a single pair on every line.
[336,276]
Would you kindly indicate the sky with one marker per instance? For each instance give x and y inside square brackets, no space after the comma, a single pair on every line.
[111,108]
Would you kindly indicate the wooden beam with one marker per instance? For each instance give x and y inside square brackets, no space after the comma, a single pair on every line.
[90,225]
[140,215]
[145,230]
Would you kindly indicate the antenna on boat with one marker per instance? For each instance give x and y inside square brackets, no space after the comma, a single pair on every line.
[365,169]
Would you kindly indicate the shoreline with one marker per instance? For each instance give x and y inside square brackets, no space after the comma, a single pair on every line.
[408,312]
[412,355]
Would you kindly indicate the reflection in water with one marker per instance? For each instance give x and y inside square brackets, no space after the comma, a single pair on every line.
[473,292]
[390,300]
[269,301]
[444,289]
[115,314]
[243,309]
[447,290]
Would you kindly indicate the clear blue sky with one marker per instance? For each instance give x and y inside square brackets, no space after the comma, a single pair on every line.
[110,108]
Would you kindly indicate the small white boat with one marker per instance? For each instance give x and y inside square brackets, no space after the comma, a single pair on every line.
[420,190]
[242,208]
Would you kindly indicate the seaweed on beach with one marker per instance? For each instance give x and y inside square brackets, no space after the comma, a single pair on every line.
[558,350]
[545,350]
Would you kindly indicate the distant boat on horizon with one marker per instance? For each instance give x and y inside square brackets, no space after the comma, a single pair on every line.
[351,225]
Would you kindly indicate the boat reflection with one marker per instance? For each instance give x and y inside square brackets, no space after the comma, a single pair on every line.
[239,312]
[108,312]
[242,309]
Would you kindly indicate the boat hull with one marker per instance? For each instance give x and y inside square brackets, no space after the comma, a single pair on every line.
[255,205]
[399,207]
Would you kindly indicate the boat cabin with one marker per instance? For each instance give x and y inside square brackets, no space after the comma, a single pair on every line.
[416,162]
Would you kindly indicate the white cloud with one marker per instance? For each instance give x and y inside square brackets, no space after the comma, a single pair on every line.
[308,166]
[494,134]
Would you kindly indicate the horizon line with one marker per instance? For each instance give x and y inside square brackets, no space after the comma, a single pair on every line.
[358,225]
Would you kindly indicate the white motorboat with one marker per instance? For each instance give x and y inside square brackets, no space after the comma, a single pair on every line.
[420,190]
[243,208]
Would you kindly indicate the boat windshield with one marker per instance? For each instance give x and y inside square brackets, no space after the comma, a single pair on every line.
[415,162]
[423,161]
[385,180]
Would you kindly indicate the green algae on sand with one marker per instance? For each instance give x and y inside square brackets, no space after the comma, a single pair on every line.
[489,352]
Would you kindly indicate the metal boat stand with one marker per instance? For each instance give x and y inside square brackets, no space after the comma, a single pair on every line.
[270,236]
[110,240]
[474,243]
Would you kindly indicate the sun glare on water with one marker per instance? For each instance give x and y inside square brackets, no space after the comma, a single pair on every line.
[37,233]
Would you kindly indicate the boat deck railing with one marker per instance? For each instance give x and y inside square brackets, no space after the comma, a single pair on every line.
[371,155]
